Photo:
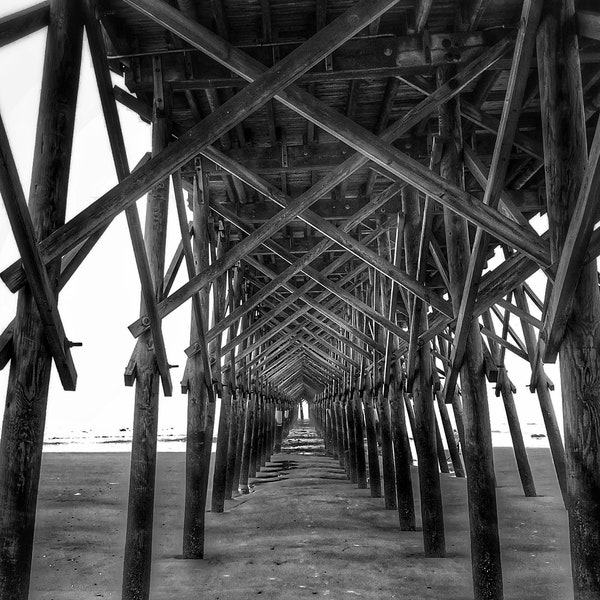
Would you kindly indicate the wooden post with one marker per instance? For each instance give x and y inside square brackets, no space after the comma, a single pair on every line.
[565,159]
[382,294]
[387,451]
[504,386]
[196,465]
[234,431]
[439,447]
[224,427]
[352,450]
[138,541]
[546,406]
[220,472]
[402,459]
[232,442]
[361,467]
[424,427]
[372,449]
[449,434]
[343,456]
[477,451]
[247,447]
[27,391]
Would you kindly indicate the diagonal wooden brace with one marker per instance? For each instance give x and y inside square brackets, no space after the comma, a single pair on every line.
[33,265]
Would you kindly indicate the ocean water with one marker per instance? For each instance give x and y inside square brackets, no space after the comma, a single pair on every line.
[170,440]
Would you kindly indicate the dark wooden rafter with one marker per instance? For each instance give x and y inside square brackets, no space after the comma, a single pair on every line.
[14,27]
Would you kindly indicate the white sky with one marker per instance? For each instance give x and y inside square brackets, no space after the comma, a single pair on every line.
[103,297]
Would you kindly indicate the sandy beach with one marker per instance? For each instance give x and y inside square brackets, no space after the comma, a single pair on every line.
[304,532]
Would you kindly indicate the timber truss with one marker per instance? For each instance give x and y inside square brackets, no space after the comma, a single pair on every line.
[365,188]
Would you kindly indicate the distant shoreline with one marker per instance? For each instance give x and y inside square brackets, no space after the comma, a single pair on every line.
[176,442]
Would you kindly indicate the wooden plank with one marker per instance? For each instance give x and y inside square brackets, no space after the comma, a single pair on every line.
[588,24]
[572,258]
[212,127]
[17,25]
[35,270]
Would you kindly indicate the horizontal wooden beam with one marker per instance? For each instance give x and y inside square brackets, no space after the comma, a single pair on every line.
[33,265]
[381,57]
[14,27]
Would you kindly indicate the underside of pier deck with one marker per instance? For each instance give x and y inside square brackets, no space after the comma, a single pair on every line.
[378,205]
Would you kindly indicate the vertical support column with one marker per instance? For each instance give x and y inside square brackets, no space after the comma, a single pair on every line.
[479,463]
[424,428]
[27,391]
[224,382]
[197,458]
[447,425]
[387,451]
[349,413]
[402,458]
[220,472]
[359,441]
[372,450]
[383,405]
[140,513]
[234,430]
[247,448]
[565,157]
[504,386]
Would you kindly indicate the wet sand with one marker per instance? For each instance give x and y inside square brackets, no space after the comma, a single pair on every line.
[306,531]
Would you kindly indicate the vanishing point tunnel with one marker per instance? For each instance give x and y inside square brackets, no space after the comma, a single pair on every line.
[379,203]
